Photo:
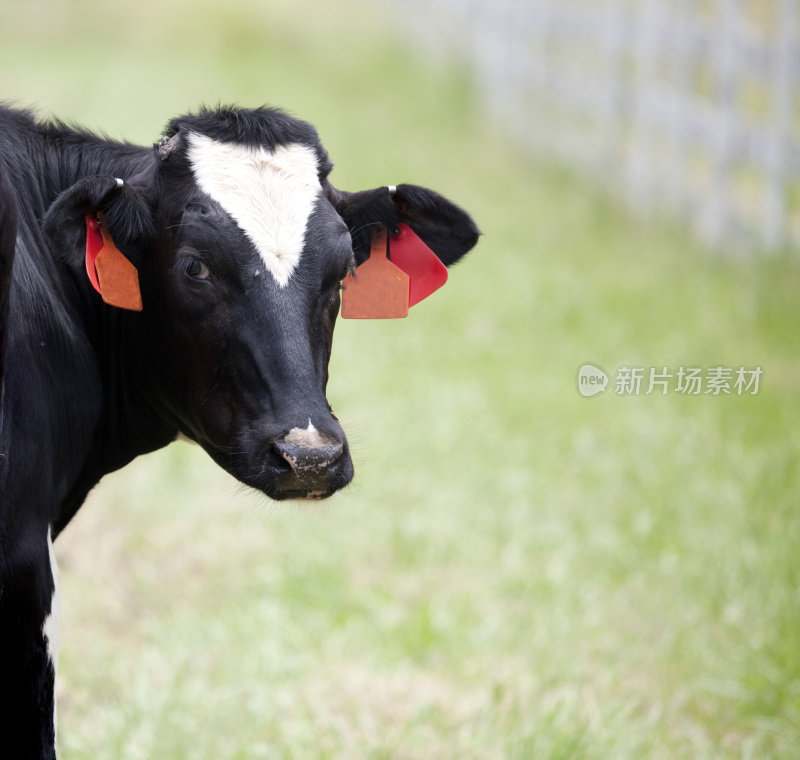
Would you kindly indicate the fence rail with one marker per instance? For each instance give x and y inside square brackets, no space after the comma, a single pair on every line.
[686,106]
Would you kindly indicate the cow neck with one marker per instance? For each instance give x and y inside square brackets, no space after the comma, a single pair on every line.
[129,423]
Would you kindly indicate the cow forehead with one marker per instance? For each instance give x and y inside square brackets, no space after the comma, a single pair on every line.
[270,193]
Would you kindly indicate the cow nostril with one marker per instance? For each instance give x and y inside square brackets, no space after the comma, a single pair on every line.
[304,457]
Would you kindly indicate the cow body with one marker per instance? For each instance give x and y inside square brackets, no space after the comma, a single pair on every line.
[240,242]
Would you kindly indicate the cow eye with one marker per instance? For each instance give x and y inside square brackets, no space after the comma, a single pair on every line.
[196,269]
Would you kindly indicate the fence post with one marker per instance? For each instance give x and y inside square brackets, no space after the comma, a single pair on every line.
[774,217]
[613,129]
[638,165]
[715,217]
[678,182]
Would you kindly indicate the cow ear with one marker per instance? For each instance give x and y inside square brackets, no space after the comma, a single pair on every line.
[446,229]
[126,212]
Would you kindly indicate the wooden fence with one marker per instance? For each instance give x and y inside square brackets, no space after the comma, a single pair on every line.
[690,107]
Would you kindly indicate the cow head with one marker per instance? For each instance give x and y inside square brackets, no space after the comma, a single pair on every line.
[241,243]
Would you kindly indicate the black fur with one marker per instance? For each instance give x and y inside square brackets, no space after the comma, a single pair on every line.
[8,238]
[265,127]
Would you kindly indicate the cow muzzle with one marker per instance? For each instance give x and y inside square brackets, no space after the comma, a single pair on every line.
[314,464]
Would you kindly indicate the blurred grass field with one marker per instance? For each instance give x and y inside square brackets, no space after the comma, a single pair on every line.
[518,571]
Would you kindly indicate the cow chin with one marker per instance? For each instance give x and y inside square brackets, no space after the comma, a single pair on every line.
[300,491]
[297,484]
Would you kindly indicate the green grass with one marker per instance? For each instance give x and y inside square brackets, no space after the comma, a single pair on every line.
[517,572]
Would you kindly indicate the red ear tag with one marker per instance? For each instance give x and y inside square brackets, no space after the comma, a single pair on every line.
[377,289]
[94,242]
[111,274]
[424,268]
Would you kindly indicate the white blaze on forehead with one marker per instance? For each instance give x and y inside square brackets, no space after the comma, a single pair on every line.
[269,193]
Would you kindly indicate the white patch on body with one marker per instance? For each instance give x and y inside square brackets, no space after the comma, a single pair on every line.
[269,193]
[52,623]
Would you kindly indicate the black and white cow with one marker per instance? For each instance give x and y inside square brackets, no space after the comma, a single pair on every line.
[241,243]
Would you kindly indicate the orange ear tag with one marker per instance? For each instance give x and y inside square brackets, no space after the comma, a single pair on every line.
[110,273]
[377,289]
